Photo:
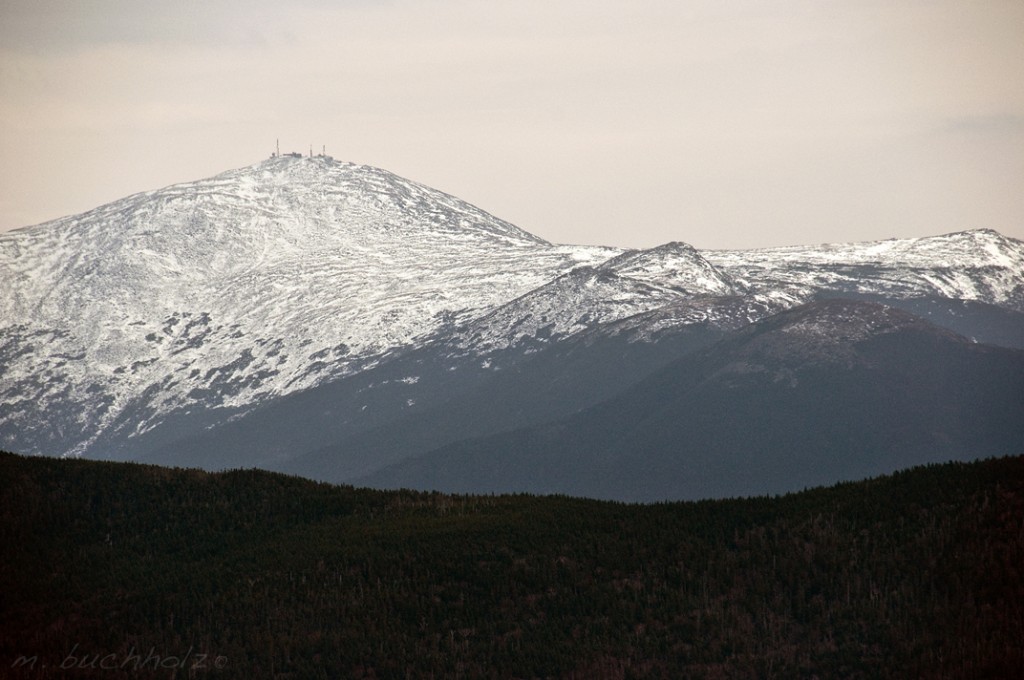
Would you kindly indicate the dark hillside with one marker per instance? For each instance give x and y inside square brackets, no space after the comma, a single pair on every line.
[111,569]
[835,390]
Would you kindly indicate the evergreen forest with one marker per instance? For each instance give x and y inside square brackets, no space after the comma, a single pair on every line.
[118,570]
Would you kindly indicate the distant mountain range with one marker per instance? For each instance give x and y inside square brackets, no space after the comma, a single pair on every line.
[339,322]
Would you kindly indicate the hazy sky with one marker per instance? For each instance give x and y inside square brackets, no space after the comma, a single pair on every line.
[627,123]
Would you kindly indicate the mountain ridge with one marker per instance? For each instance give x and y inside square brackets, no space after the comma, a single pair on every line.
[345,290]
[779,405]
[131,316]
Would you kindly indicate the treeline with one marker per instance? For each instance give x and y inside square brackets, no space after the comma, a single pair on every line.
[114,570]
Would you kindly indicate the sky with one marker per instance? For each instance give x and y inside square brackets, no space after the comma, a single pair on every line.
[724,124]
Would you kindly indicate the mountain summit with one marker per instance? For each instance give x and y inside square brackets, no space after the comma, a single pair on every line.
[253,283]
[305,309]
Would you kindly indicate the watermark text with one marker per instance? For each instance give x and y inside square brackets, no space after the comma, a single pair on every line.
[132,660]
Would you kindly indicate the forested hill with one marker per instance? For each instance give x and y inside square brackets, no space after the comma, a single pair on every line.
[116,570]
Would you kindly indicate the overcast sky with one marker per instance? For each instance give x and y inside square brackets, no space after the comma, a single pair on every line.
[627,123]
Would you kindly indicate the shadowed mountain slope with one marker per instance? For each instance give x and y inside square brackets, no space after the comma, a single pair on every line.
[829,391]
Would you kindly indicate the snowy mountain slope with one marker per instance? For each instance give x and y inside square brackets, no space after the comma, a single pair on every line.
[437,393]
[251,284]
[979,265]
[676,266]
[573,302]
[625,285]
[549,381]
[177,311]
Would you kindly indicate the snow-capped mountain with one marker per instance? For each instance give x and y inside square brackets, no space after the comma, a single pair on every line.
[303,294]
[248,285]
